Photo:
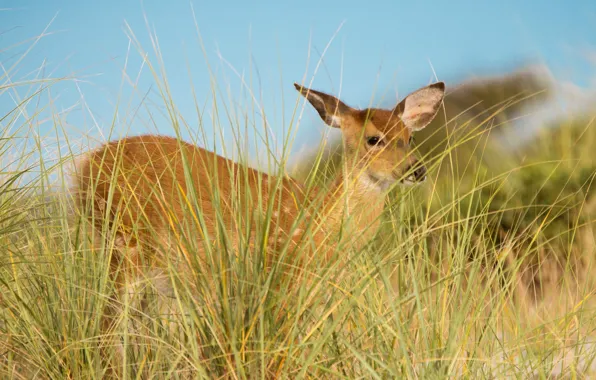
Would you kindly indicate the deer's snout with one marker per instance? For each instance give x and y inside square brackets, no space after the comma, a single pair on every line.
[415,172]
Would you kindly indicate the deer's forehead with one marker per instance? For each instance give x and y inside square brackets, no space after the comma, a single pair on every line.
[386,121]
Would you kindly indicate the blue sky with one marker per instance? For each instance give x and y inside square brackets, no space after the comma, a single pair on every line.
[385,48]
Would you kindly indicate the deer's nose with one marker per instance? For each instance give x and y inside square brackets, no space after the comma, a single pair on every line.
[418,171]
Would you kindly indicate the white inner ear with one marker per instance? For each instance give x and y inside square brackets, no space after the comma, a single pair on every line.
[335,121]
[420,108]
[416,107]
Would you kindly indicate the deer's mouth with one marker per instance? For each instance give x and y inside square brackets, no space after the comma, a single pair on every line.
[385,183]
[415,175]
[412,180]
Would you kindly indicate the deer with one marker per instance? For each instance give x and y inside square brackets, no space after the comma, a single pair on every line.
[141,185]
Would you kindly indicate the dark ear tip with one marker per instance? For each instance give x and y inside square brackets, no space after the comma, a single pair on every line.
[298,87]
[438,86]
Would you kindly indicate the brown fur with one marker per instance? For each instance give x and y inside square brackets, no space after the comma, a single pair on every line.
[144,178]
[139,187]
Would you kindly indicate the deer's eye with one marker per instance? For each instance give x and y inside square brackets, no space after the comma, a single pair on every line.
[374,140]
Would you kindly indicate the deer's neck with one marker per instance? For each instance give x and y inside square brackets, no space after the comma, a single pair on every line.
[353,204]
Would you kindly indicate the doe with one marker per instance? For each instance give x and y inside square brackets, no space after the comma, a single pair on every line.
[141,186]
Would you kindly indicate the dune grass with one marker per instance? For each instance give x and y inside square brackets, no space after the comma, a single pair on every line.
[484,274]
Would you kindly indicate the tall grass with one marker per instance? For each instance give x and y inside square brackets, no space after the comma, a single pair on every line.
[483,274]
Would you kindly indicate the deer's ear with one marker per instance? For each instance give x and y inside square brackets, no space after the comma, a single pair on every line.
[419,108]
[332,110]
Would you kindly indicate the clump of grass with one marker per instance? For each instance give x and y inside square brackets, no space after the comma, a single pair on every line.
[449,288]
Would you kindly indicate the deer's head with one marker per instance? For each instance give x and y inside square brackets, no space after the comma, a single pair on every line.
[378,141]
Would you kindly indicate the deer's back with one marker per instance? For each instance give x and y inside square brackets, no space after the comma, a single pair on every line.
[154,182]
